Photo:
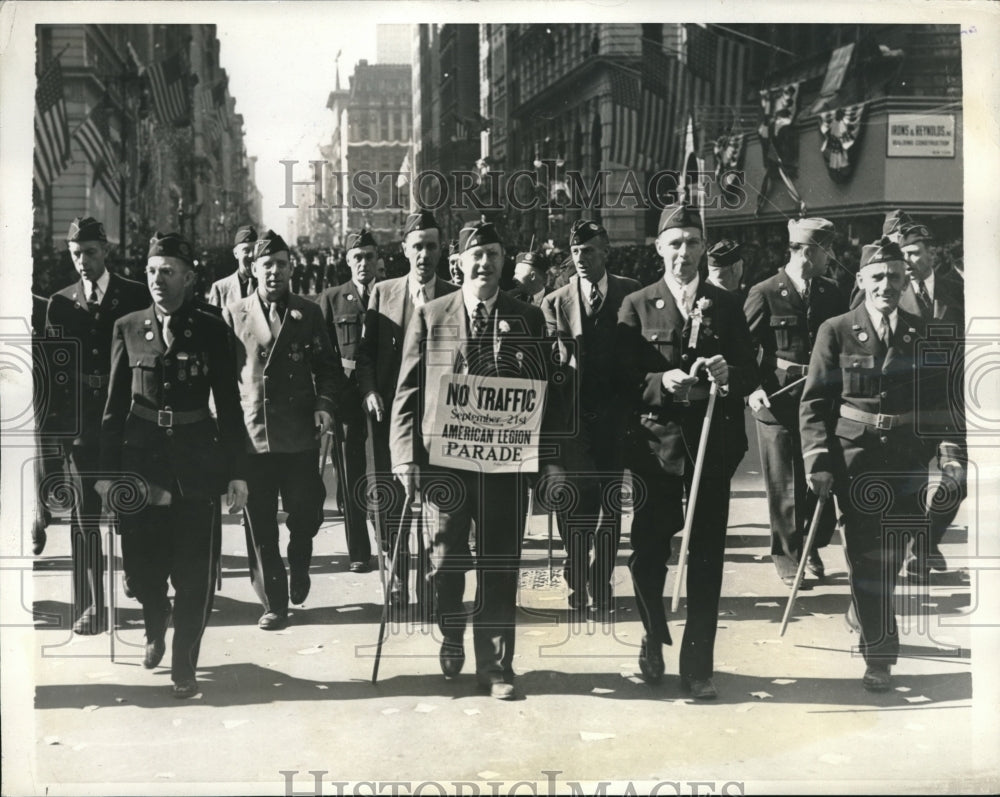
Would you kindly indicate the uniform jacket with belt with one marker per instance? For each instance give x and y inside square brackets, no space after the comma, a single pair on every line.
[227,290]
[380,352]
[906,383]
[197,458]
[784,327]
[653,338]
[77,404]
[284,380]
[565,313]
[438,342]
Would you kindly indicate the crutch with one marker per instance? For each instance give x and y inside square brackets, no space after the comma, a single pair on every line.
[699,464]
[806,548]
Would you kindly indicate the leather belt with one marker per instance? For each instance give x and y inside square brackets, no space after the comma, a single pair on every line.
[794,370]
[170,418]
[876,419]
[95,381]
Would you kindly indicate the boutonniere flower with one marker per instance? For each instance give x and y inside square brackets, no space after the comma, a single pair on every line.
[503,327]
[703,304]
[296,315]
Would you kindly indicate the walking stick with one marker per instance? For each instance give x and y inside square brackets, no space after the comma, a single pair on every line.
[372,495]
[699,464]
[548,517]
[787,388]
[385,606]
[813,526]
[111,584]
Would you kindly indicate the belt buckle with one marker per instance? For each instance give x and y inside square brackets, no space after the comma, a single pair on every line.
[165,418]
[884,422]
[93,380]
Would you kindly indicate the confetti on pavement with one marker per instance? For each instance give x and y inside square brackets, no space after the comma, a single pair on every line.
[348,608]
[120,700]
[390,711]
[322,686]
[783,681]
[424,708]
[311,651]
[598,690]
[768,604]
[918,699]
[52,740]
[744,708]
[230,724]
[590,736]
[903,689]
[761,695]
[727,613]
[90,708]
[471,712]
[78,747]
[176,722]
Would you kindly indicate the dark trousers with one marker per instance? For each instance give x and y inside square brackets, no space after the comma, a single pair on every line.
[452,500]
[80,464]
[790,504]
[179,542]
[659,515]
[295,477]
[883,511]
[588,508]
[352,493]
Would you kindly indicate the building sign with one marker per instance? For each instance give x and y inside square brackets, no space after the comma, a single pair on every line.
[912,135]
[487,424]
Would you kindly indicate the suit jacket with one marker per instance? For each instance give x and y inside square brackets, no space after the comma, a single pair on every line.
[784,326]
[438,342]
[380,351]
[653,337]
[849,367]
[227,291]
[284,380]
[521,296]
[195,458]
[593,425]
[77,404]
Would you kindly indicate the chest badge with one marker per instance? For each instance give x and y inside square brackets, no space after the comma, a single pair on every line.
[660,304]
[784,292]
[350,297]
[862,336]
[149,335]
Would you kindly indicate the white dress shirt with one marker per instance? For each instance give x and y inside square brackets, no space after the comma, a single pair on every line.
[683,294]
[102,286]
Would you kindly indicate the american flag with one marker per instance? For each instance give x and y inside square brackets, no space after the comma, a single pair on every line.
[51,132]
[214,111]
[94,139]
[168,80]
[625,99]
[671,92]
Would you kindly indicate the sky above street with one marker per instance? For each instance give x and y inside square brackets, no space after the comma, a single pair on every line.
[281,76]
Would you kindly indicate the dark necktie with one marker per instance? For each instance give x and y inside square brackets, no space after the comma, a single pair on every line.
[364,298]
[479,320]
[595,299]
[93,301]
[924,300]
[885,331]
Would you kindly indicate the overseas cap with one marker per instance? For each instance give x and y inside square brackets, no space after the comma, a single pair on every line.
[85,228]
[170,244]
[478,233]
[818,232]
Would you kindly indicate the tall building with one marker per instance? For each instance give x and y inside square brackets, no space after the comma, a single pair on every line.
[372,132]
[155,140]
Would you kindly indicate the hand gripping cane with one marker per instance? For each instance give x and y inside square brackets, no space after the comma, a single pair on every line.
[699,464]
[806,548]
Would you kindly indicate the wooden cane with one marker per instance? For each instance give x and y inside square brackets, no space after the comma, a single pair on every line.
[373,493]
[810,538]
[385,607]
[699,464]
[787,388]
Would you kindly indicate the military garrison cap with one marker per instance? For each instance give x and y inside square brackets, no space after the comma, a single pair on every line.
[881,251]
[246,234]
[895,221]
[269,243]
[583,230]
[478,233]
[818,232]
[725,252]
[421,220]
[678,216]
[85,228]
[534,259]
[356,240]
[170,244]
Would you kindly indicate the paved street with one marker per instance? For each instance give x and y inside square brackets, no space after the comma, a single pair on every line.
[792,713]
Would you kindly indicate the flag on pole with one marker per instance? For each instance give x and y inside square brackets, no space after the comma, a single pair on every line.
[625,100]
[404,171]
[168,81]
[51,131]
[691,169]
[94,138]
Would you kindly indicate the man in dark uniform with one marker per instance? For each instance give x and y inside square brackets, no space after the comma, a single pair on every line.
[666,332]
[455,264]
[479,331]
[174,458]
[290,380]
[582,317]
[724,260]
[530,269]
[869,419]
[343,309]
[390,308]
[784,313]
[85,312]
[240,283]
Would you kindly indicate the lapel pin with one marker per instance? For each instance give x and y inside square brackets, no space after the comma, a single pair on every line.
[862,336]
[149,335]
[350,297]
[114,302]
[660,304]
[784,293]
[187,333]
[907,338]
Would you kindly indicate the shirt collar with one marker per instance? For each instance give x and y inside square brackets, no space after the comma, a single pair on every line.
[472,301]
[797,280]
[414,285]
[102,285]
[361,289]
[602,285]
[929,285]
[876,318]
[683,294]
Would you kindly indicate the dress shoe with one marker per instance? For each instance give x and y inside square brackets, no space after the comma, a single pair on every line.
[185,689]
[651,661]
[851,618]
[273,621]
[127,588]
[815,565]
[360,567]
[38,536]
[91,622]
[451,657]
[699,688]
[156,646]
[299,588]
[786,567]
[498,688]
[877,678]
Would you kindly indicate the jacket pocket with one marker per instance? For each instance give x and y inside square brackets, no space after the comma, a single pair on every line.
[348,330]
[859,374]
[666,342]
[785,327]
[147,372]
